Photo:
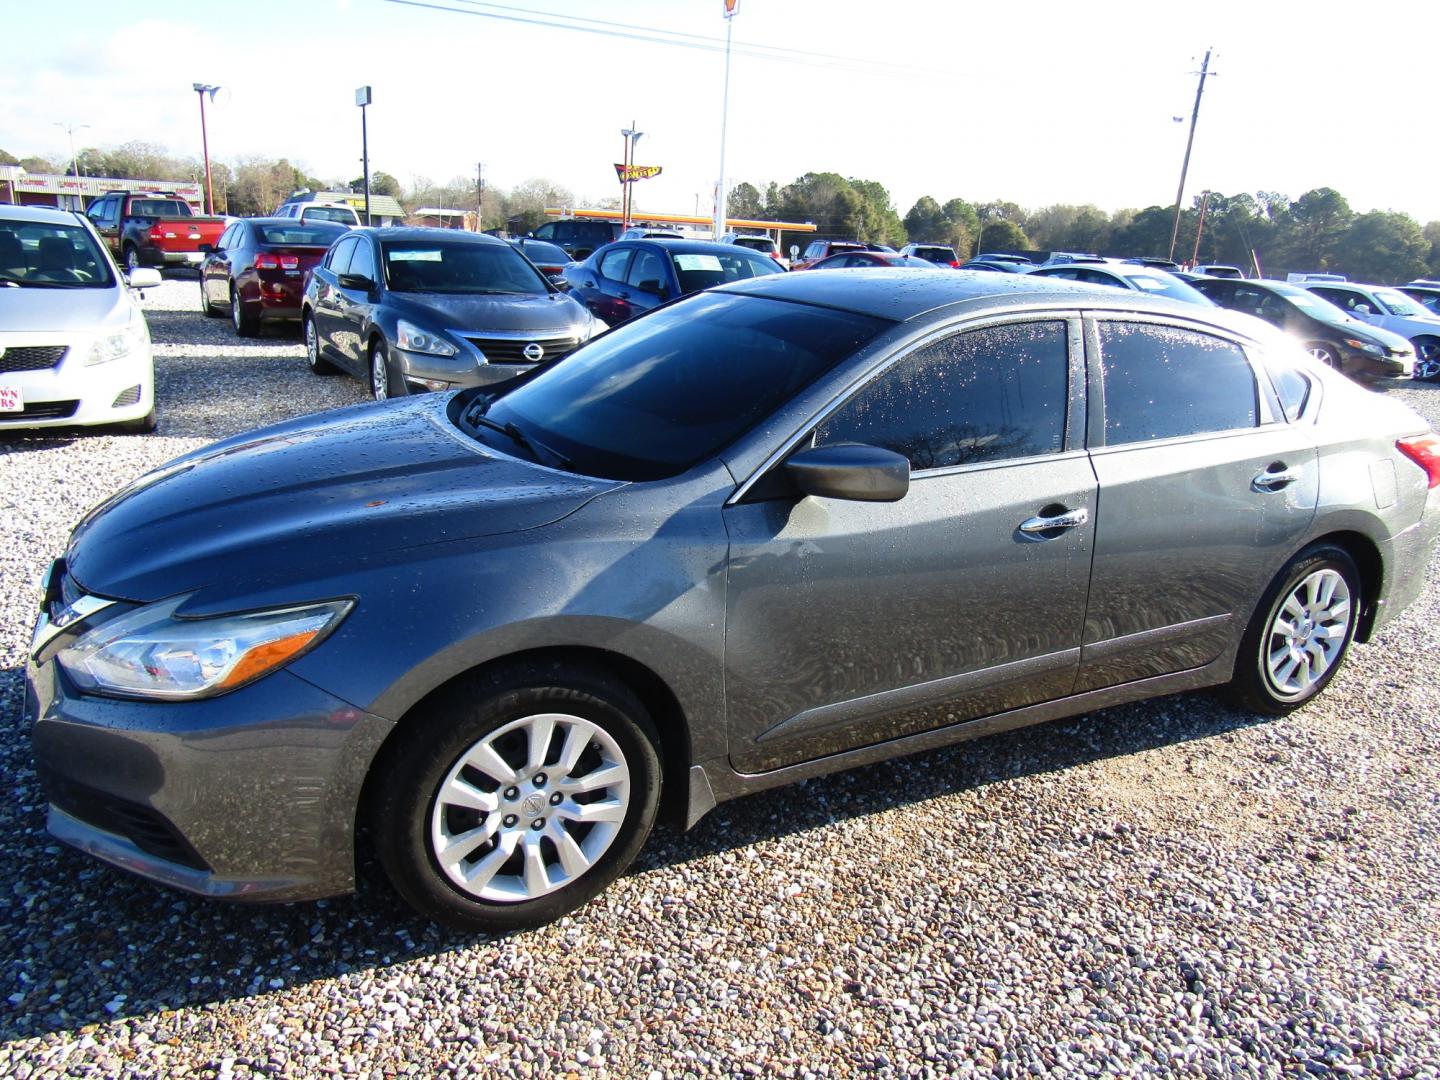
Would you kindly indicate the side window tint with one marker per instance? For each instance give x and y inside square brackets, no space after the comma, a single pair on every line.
[363,261]
[340,257]
[614,263]
[985,395]
[1162,383]
[546,231]
[1291,386]
[648,267]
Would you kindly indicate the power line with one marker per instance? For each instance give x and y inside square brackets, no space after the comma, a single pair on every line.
[677,39]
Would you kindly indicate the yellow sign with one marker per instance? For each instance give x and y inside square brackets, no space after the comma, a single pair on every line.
[628,173]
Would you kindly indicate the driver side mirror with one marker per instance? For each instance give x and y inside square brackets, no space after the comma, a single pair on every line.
[1362,309]
[143,277]
[852,471]
[358,282]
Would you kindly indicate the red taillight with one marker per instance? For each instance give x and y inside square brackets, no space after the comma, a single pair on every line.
[266,261]
[157,233]
[1424,450]
[955,264]
[775,255]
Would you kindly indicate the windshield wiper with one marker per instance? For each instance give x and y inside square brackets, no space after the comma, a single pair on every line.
[476,417]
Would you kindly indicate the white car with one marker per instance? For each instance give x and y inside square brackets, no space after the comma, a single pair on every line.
[1389,309]
[74,345]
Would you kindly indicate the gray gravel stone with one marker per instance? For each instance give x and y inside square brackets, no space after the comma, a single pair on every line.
[1170,888]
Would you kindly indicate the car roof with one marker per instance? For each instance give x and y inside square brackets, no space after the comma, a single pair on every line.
[905,293]
[420,232]
[288,221]
[682,247]
[48,215]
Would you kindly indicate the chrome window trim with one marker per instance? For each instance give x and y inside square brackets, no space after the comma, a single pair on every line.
[1070,316]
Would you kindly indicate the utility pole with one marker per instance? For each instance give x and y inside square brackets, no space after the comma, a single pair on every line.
[720,193]
[1185,167]
[480,196]
[70,130]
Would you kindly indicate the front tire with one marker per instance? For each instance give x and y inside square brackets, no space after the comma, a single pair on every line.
[516,796]
[381,386]
[1427,358]
[1300,632]
[1326,354]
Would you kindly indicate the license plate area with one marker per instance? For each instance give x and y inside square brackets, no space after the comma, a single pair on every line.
[11,399]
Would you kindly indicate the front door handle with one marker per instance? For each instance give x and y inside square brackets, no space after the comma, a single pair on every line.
[1275,478]
[1069,519]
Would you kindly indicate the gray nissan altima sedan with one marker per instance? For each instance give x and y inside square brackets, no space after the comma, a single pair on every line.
[792,525]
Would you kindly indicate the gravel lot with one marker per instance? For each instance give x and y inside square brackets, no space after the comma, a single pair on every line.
[1167,888]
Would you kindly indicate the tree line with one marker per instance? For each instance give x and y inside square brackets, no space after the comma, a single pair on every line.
[253,186]
[1316,232]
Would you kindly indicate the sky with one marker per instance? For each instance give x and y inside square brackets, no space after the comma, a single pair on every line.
[1037,103]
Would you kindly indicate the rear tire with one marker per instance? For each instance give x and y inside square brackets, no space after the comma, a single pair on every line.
[481,824]
[1300,633]
[317,363]
[206,308]
[246,325]
[132,258]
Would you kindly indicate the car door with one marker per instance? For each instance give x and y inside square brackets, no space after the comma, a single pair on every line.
[104,214]
[353,304]
[851,623]
[609,295]
[327,296]
[215,271]
[648,280]
[1205,492]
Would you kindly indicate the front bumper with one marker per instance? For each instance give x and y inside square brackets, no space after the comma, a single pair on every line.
[72,394]
[252,795]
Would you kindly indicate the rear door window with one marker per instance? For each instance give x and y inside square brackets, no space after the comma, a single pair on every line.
[1163,382]
[614,264]
[647,269]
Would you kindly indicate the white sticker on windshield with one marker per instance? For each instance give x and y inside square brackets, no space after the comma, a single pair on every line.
[414,255]
[698,262]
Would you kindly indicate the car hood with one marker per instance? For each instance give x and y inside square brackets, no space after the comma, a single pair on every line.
[322,491]
[60,310]
[480,313]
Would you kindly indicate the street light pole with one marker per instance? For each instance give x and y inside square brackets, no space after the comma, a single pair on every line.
[202,89]
[362,98]
[719,223]
[1185,167]
[631,138]
[70,130]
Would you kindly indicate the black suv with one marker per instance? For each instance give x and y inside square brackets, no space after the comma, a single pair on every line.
[579,238]
[1361,351]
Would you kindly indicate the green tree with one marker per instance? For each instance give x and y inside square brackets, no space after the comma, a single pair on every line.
[1432,237]
[1383,246]
[879,221]
[1317,222]
[827,200]
[963,226]
[1003,235]
[745,201]
[8,158]
[381,183]
[39,165]
[925,221]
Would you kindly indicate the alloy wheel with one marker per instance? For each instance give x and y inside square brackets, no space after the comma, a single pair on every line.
[1325,356]
[379,373]
[312,345]
[529,808]
[1307,632]
[236,316]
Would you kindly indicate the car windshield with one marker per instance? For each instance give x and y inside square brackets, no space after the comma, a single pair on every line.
[705,270]
[1162,284]
[439,266]
[41,255]
[299,235]
[342,214]
[1399,303]
[661,393]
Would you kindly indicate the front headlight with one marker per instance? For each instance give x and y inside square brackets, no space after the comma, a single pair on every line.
[1365,346]
[149,653]
[412,339]
[119,344]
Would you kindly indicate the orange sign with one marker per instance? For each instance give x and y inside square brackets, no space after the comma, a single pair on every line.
[730,6]
[629,173]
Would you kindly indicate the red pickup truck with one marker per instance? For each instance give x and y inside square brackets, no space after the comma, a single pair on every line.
[153,228]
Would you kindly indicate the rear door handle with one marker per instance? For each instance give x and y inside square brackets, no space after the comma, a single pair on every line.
[1273,478]
[1070,519]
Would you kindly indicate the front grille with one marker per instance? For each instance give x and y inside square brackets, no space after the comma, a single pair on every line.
[126,397]
[512,350]
[148,829]
[32,357]
[43,410]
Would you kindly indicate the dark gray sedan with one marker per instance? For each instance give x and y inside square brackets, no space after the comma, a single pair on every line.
[792,525]
[411,310]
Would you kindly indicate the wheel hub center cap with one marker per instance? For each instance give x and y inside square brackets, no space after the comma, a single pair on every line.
[533,806]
